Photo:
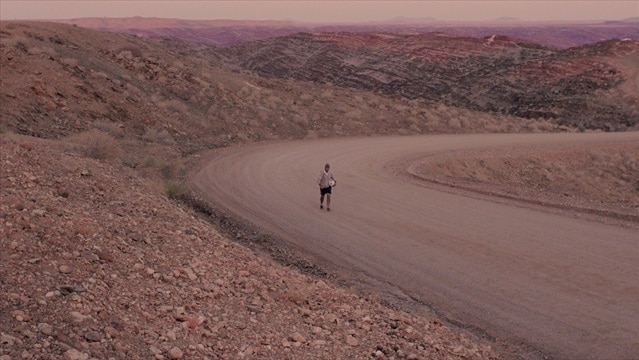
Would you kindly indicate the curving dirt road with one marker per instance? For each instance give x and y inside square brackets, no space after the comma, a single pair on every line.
[564,284]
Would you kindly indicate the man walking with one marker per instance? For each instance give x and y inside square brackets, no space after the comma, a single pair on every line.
[326,182]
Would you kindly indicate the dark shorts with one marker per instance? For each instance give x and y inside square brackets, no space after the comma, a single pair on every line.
[325,191]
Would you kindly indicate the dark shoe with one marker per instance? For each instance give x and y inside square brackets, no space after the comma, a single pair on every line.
[321,206]
[328,209]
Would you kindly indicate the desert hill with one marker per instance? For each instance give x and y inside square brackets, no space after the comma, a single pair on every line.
[59,80]
[550,81]
[590,87]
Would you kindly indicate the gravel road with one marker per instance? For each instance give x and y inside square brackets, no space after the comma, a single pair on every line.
[559,282]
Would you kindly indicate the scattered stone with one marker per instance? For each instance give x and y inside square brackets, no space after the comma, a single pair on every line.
[297,337]
[77,317]
[9,340]
[64,269]
[93,336]
[19,315]
[111,332]
[45,329]
[170,336]
[38,212]
[73,354]
[351,341]
[62,192]
[120,347]
[190,274]
[175,353]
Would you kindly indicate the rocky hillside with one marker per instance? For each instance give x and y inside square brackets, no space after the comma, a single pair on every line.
[96,264]
[589,87]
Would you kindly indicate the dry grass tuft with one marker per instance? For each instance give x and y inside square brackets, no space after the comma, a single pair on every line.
[175,189]
[110,128]
[97,144]
[158,136]
[129,52]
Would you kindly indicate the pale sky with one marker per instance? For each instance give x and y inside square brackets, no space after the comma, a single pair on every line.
[322,10]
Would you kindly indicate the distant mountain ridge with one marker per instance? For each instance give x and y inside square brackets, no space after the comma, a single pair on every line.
[232,32]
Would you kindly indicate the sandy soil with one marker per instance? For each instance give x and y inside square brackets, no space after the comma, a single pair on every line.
[549,281]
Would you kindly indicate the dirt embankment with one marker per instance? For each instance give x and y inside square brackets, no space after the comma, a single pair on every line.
[602,178]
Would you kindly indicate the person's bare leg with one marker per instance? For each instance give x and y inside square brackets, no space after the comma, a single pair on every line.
[321,201]
[328,202]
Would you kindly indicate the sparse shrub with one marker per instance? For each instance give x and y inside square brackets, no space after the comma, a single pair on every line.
[134,51]
[154,162]
[168,169]
[38,50]
[18,42]
[175,189]
[543,126]
[174,168]
[125,55]
[110,128]
[56,39]
[97,144]
[158,136]
[262,238]
[34,36]
[130,161]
